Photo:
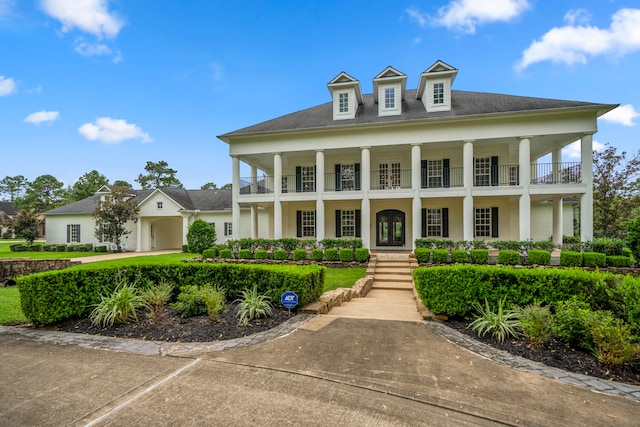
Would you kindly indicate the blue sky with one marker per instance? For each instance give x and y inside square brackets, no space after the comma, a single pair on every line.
[112,84]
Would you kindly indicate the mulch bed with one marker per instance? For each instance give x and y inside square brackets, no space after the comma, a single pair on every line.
[556,354]
[176,329]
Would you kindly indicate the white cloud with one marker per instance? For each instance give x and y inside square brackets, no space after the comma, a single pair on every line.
[572,151]
[89,16]
[573,44]
[37,89]
[7,86]
[112,131]
[91,49]
[623,115]
[416,15]
[42,116]
[465,15]
[575,16]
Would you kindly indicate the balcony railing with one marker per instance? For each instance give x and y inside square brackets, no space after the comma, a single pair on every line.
[390,179]
[556,173]
[497,175]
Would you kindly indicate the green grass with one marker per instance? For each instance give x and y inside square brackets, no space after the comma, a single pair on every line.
[10,311]
[342,277]
[5,252]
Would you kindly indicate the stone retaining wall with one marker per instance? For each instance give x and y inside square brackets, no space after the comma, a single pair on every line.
[11,268]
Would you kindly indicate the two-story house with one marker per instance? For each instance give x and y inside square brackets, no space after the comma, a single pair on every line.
[398,164]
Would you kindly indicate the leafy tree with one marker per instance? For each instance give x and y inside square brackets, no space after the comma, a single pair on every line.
[87,185]
[13,187]
[112,214]
[209,186]
[159,175]
[633,236]
[44,193]
[227,186]
[200,236]
[25,226]
[121,183]
[614,194]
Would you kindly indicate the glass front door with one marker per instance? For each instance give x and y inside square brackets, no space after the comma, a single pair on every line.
[390,228]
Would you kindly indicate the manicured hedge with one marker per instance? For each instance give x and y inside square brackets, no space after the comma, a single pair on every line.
[260,254]
[362,254]
[479,256]
[346,254]
[331,254]
[538,257]
[210,253]
[244,254]
[422,255]
[618,261]
[226,254]
[594,259]
[508,257]
[317,255]
[453,290]
[459,256]
[53,296]
[280,254]
[570,259]
[440,256]
[299,254]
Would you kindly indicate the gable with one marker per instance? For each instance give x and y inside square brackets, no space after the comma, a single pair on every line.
[159,204]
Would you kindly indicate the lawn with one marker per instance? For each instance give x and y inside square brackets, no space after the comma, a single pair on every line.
[5,252]
[10,312]
[342,277]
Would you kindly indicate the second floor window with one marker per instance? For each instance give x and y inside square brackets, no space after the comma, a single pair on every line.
[390,175]
[434,173]
[438,93]
[343,102]
[482,171]
[347,177]
[389,98]
[307,177]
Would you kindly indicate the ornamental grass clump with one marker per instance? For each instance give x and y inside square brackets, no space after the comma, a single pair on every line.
[536,323]
[119,307]
[501,323]
[214,298]
[155,298]
[252,305]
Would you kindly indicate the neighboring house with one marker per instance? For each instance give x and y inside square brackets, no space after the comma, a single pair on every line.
[398,164]
[8,212]
[163,221]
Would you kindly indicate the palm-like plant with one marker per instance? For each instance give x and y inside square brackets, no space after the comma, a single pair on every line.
[252,305]
[501,323]
[119,307]
[156,297]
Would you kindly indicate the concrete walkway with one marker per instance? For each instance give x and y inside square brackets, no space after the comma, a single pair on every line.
[120,255]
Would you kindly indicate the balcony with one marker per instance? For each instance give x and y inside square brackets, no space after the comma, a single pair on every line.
[556,173]
[442,178]
[392,179]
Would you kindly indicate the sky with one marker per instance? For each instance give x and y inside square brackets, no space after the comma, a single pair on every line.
[111,84]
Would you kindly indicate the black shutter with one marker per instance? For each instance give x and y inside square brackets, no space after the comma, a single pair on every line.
[445,222]
[494,170]
[494,222]
[424,222]
[338,180]
[423,176]
[68,233]
[338,223]
[446,173]
[299,223]
[518,175]
[315,178]
[356,168]
[79,239]
[358,223]
[298,179]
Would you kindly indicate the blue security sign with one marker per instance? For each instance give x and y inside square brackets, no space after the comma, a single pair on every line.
[289,299]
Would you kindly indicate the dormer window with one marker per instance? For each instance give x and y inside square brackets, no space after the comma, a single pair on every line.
[344,102]
[438,93]
[389,98]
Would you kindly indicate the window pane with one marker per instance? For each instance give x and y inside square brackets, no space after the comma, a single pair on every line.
[308,223]
[434,173]
[434,222]
[483,171]
[347,177]
[344,102]
[389,98]
[438,93]
[348,223]
[308,178]
[483,222]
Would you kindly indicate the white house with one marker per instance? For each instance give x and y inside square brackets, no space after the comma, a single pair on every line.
[162,223]
[399,164]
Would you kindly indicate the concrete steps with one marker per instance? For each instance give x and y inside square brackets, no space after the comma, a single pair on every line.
[391,295]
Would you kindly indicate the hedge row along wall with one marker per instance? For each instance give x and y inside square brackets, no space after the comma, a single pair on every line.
[58,295]
[452,290]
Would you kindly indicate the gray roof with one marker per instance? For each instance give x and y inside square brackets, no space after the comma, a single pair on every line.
[463,104]
[190,200]
[8,208]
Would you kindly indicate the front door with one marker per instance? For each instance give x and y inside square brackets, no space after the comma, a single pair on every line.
[390,228]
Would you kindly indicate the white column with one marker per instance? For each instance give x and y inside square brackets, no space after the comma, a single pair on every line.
[557,220]
[139,235]
[586,201]
[254,222]
[467,202]
[235,191]
[416,208]
[320,214]
[185,228]
[365,209]
[277,191]
[556,160]
[524,208]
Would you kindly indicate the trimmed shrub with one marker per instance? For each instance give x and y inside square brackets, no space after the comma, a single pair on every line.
[426,243]
[362,254]
[210,253]
[331,254]
[594,259]
[299,254]
[422,255]
[53,296]
[459,256]
[440,256]
[570,259]
[346,254]
[508,257]
[200,236]
[226,254]
[280,254]
[480,256]
[317,255]
[260,254]
[101,248]
[538,257]
[244,254]
[618,261]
